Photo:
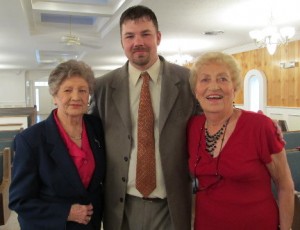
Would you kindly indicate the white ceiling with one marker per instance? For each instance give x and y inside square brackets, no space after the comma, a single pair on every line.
[31,30]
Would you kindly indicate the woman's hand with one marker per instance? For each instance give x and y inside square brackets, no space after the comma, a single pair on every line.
[80,213]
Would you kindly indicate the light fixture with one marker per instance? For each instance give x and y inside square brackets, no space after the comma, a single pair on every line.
[270,37]
[287,65]
[180,59]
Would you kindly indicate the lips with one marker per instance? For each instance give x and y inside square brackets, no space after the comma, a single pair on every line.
[139,51]
[214,97]
[75,105]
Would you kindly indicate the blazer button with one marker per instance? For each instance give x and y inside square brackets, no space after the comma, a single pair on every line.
[123,179]
[125,158]
[129,137]
[121,200]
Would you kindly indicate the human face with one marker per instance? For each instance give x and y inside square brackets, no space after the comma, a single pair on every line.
[72,97]
[214,88]
[140,40]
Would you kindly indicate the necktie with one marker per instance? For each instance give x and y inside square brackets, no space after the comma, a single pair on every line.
[145,169]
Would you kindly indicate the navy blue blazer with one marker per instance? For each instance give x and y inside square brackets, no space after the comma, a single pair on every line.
[45,181]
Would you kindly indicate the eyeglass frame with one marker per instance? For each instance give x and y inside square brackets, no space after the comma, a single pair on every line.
[196,185]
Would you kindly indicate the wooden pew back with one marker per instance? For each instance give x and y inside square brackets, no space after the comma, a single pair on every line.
[4,186]
[7,138]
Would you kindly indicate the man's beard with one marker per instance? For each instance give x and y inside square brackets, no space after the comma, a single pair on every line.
[141,60]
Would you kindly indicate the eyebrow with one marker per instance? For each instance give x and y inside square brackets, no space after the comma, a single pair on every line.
[144,31]
[219,74]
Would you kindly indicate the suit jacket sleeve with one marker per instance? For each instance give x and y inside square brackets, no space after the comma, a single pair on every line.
[46,182]
[25,190]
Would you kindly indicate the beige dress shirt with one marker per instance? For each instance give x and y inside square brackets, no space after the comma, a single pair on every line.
[135,85]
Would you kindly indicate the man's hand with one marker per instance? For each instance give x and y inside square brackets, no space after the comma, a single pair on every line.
[277,126]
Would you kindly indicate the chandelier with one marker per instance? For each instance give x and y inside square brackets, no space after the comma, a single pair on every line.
[180,59]
[271,37]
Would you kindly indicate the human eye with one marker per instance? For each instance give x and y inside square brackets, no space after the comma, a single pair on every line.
[128,36]
[83,90]
[67,90]
[223,78]
[145,34]
[204,79]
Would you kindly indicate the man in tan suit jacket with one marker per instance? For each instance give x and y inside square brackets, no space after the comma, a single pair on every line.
[115,100]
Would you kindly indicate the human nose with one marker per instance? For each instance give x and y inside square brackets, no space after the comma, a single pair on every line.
[214,85]
[75,95]
[138,40]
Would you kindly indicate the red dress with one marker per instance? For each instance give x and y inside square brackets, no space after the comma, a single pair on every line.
[242,199]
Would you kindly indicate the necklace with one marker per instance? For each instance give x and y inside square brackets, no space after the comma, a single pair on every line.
[211,140]
[76,138]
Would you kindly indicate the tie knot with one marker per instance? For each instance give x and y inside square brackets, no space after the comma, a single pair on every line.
[145,75]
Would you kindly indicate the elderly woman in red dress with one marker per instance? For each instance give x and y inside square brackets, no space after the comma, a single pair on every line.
[234,154]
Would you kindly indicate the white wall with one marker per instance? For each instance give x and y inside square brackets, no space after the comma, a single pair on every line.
[17,87]
[291,115]
[12,88]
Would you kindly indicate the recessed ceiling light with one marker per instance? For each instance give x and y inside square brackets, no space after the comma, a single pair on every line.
[213,32]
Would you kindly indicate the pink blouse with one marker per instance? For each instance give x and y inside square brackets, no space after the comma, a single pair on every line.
[82,157]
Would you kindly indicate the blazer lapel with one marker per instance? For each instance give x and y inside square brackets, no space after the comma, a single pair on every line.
[97,148]
[120,87]
[169,92]
[60,155]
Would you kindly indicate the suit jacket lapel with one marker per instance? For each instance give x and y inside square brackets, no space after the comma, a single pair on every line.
[120,87]
[169,92]
[60,155]
[96,147]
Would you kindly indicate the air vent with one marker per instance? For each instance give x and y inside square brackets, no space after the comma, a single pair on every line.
[213,32]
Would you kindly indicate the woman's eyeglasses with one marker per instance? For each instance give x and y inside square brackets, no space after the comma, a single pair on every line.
[213,179]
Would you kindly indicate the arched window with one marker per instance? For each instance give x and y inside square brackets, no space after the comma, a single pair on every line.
[255,90]
[254,93]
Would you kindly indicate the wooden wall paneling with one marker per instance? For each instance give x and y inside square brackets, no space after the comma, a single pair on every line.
[283,85]
[239,97]
[297,75]
[282,57]
[295,97]
[289,77]
[274,78]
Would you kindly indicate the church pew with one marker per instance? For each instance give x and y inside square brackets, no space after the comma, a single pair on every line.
[4,186]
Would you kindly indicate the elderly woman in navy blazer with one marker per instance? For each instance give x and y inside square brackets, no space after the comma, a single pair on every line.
[59,163]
